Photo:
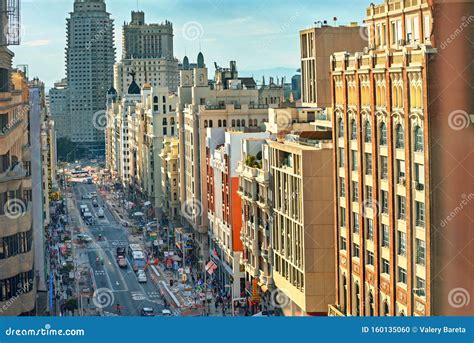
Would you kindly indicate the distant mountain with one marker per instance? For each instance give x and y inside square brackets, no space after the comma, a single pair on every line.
[270,72]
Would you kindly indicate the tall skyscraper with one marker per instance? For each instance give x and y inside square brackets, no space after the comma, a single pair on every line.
[142,40]
[90,57]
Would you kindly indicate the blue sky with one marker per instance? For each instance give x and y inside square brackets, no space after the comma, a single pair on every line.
[258,34]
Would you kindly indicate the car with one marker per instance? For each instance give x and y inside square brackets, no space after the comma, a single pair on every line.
[141,276]
[93,194]
[86,197]
[122,262]
[166,312]
[147,312]
[95,203]
[120,252]
[84,237]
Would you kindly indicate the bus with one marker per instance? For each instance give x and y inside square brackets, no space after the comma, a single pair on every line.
[137,257]
[80,173]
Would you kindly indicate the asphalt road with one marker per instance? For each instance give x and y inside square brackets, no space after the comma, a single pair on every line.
[119,286]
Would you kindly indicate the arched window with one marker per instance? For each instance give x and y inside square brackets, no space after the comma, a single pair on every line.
[233,122]
[172,120]
[165,121]
[205,123]
[383,134]
[418,139]
[243,122]
[238,122]
[155,99]
[225,123]
[255,122]
[400,138]
[219,123]
[386,310]
[357,298]
[371,304]
[353,129]
[368,132]
[340,132]
[210,123]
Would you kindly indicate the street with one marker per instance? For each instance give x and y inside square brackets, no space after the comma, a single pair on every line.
[117,290]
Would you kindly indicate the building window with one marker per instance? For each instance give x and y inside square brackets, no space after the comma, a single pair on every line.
[420,252]
[401,202]
[355,250]
[400,137]
[402,275]
[420,213]
[385,236]
[368,164]
[165,131]
[165,121]
[368,195]
[342,187]
[419,177]
[402,243]
[401,172]
[383,134]
[418,139]
[370,229]
[355,162]
[342,212]
[341,157]
[355,191]
[233,122]
[370,258]
[385,267]
[343,244]
[353,129]
[219,123]
[384,168]
[420,287]
[355,219]
[384,196]
[340,133]
[368,132]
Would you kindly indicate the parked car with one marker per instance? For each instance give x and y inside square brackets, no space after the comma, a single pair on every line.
[147,312]
[141,276]
[122,262]
[166,312]
[95,203]
[120,252]
[93,194]
[86,197]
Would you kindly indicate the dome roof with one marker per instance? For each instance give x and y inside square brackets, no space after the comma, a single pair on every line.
[134,88]
[200,60]
[112,91]
[185,63]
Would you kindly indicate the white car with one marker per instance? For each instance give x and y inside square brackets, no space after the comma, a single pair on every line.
[141,276]
[166,312]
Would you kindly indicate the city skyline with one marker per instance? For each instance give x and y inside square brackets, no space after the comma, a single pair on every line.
[274,27]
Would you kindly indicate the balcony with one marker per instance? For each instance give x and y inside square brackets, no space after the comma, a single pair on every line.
[13,265]
[16,172]
[333,311]
[9,135]
[11,225]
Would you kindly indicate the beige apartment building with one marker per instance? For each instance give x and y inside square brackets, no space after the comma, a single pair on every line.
[170,179]
[256,194]
[18,283]
[302,233]
[402,135]
[317,44]
[232,102]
